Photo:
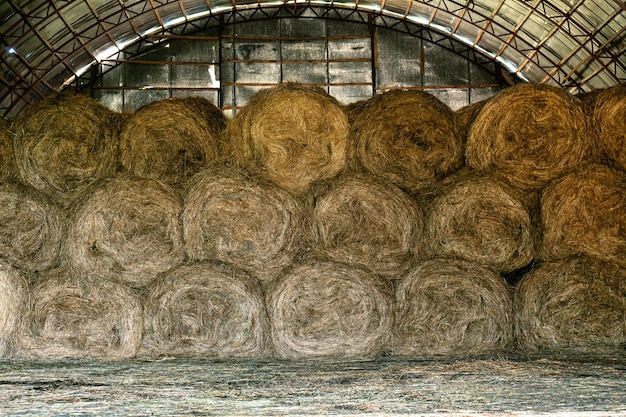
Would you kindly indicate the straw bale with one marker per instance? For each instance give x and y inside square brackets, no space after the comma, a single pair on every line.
[205,309]
[13,306]
[65,143]
[230,216]
[406,137]
[126,229]
[529,134]
[452,307]
[584,212]
[171,140]
[82,318]
[293,134]
[7,156]
[31,228]
[479,218]
[575,305]
[608,122]
[363,220]
[328,309]
[465,117]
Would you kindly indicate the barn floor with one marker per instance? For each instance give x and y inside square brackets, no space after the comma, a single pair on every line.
[389,387]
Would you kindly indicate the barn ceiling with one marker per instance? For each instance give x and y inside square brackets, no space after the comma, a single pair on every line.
[578,44]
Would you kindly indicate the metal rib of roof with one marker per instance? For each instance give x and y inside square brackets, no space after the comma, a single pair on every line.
[577,44]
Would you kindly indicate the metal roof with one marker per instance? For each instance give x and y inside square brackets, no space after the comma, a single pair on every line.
[577,44]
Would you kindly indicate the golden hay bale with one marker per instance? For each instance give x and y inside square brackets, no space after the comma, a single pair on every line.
[252,224]
[171,140]
[608,122]
[7,156]
[362,220]
[529,134]
[205,309]
[353,109]
[293,134]
[465,117]
[406,137]
[126,229]
[322,308]
[72,317]
[572,305]
[452,307]
[31,228]
[13,306]
[480,218]
[65,143]
[584,212]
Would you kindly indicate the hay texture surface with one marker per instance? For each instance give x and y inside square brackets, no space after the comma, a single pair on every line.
[205,309]
[584,212]
[465,117]
[64,144]
[608,122]
[78,318]
[572,305]
[452,307]
[31,228]
[230,216]
[7,156]
[172,139]
[480,218]
[13,306]
[528,135]
[407,137]
[126,229]
[366,221]
[293,134]
[329,309]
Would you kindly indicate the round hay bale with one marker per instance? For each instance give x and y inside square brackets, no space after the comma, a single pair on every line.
[572,305]
[171,140]
[65,143]
[480,218]
[322,308]
[362,220]
[7,156]
[126,229]
[31,228]
[584,212]
[465,117]
[353,109]
[293,134]
[252,224]
[78,318]
[13,306]
[529,134]
[205,309]
[452,307]
[406,137]
[608,122]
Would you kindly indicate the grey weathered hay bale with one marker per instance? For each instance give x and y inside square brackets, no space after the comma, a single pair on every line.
[7,155]
[572,305]
[72,317]
[322,308]
[205,309]
[529,134]
[363,220]
[31,228]
[230,216]
[406,137]
[608,122]
[293,134]
[126,229]
[584,212]
[479,218]
[452,307]
[171,140]
[13,306]
[65,143]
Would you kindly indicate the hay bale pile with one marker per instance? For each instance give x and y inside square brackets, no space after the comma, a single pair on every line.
[302,228]
[7,156]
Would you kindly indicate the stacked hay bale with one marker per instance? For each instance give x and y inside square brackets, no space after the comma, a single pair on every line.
[7,155]
[608,122]
[13,307]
